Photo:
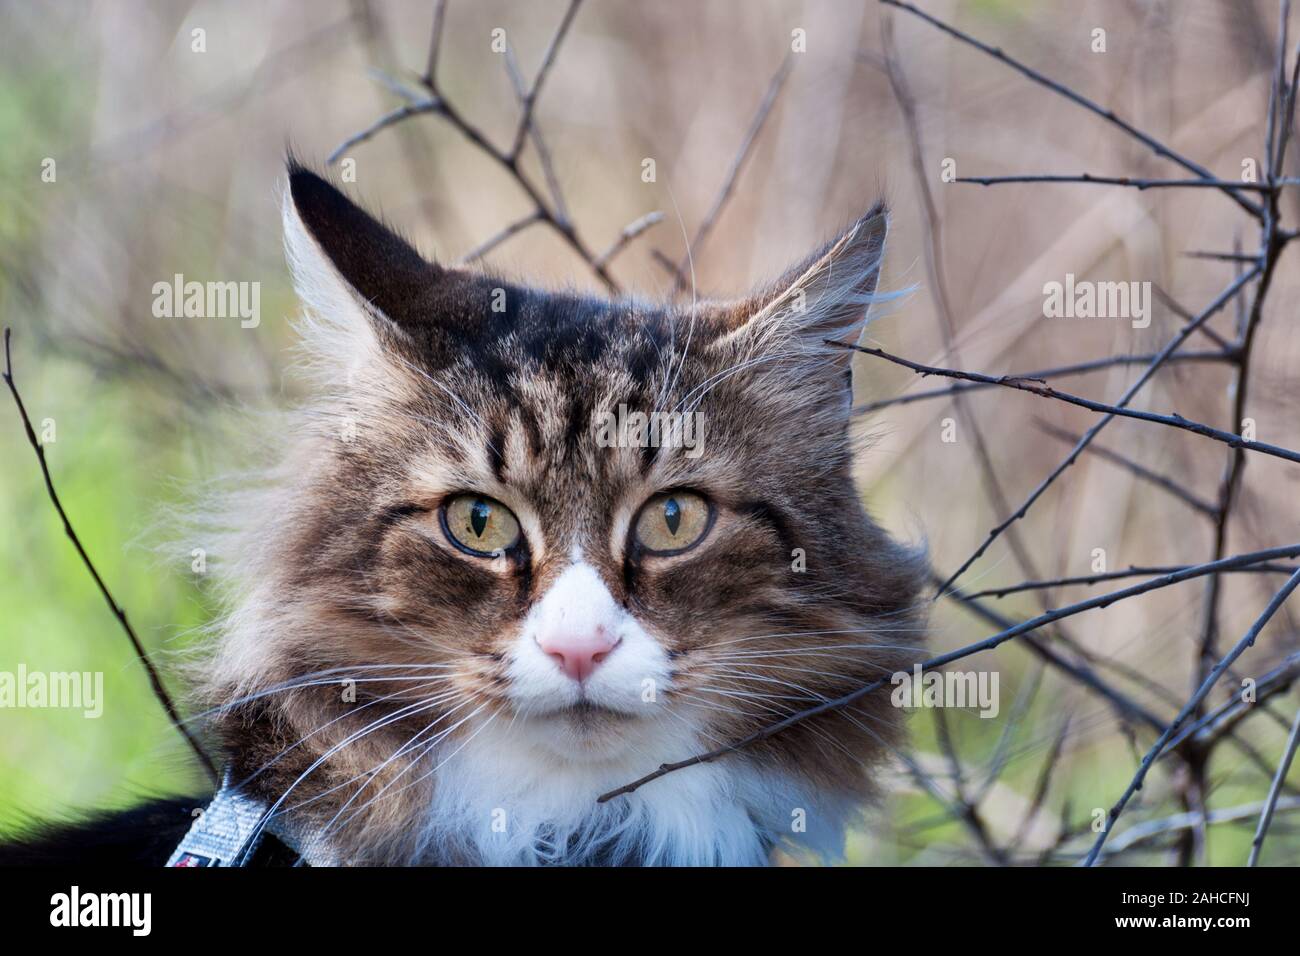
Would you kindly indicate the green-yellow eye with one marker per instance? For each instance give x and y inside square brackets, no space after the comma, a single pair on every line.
[482,526]
[673,522]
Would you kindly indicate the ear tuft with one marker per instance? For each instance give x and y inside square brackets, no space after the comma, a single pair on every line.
[786,329]
[826,296]
[375,264]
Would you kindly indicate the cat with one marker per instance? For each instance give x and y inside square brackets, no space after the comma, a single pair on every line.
[458,613]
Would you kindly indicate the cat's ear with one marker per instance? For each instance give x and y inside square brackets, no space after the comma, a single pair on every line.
[347,264]
[824,298]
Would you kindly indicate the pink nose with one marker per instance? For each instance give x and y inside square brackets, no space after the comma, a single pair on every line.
[578,654]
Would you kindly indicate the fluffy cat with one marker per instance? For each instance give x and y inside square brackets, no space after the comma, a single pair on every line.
[458,613]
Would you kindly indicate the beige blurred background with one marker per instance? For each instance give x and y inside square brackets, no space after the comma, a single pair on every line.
[171,161]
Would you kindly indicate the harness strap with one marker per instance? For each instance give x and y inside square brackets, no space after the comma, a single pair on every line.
[229,831]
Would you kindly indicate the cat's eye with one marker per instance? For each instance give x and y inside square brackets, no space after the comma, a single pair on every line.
[672,522]
[482,526]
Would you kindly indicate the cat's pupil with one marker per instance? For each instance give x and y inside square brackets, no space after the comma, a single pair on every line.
[672,515]
[478,516]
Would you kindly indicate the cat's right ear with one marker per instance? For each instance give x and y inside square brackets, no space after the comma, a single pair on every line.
[348,267]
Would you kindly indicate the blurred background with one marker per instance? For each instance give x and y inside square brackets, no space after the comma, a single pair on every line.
[168,159]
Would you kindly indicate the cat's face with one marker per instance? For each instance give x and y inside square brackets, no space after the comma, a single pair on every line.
[483,531]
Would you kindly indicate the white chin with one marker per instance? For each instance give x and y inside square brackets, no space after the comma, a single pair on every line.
[583,734]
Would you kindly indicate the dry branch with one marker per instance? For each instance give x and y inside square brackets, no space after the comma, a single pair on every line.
[1159,148]
[1160,358]
[1247,640]
[155,682]
[682,271]
[1274,791]
[1060,371]
[432,101]
[1111,411]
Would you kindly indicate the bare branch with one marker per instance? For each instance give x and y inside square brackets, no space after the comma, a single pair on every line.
[1159,148]
[1276,92]
[1044,781]
[1221,721]
[1272,243]
[1141,471]
[1270,804]
[1130,572]
[1060,371]
[430,105]
[1174,306]
[1144,832]
[154,680]
[430,77]
[1111,411]
[1135,183]
[417,104]
[1126,709]
[548,60]
[544,158]
[629,233]
[1222,256]
[519,225]
[1289,122]
[681,271]
[1161,357]
[1247,640]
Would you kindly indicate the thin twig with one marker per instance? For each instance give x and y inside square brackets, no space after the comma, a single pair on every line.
[1289,122]
[1270,804]
[1134,182]
[1111,411]
[1043,783]
[1247,640]
[1159,148]
[1183,313]
[428,105]
[154,680]
[1222,256]
[1130,572]
[1141,471]
[548,60]
[1143,832]
[430,77]
[1060,371]
[1160,358]
[629,233]
[544,158]
[681,271]
[1126,709]
[1223,719]
[519,225]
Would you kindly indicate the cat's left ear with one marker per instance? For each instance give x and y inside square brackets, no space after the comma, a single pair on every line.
[825,298]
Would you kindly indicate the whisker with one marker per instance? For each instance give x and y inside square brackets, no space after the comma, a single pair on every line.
[427,748]
[375,771]
[266,766]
